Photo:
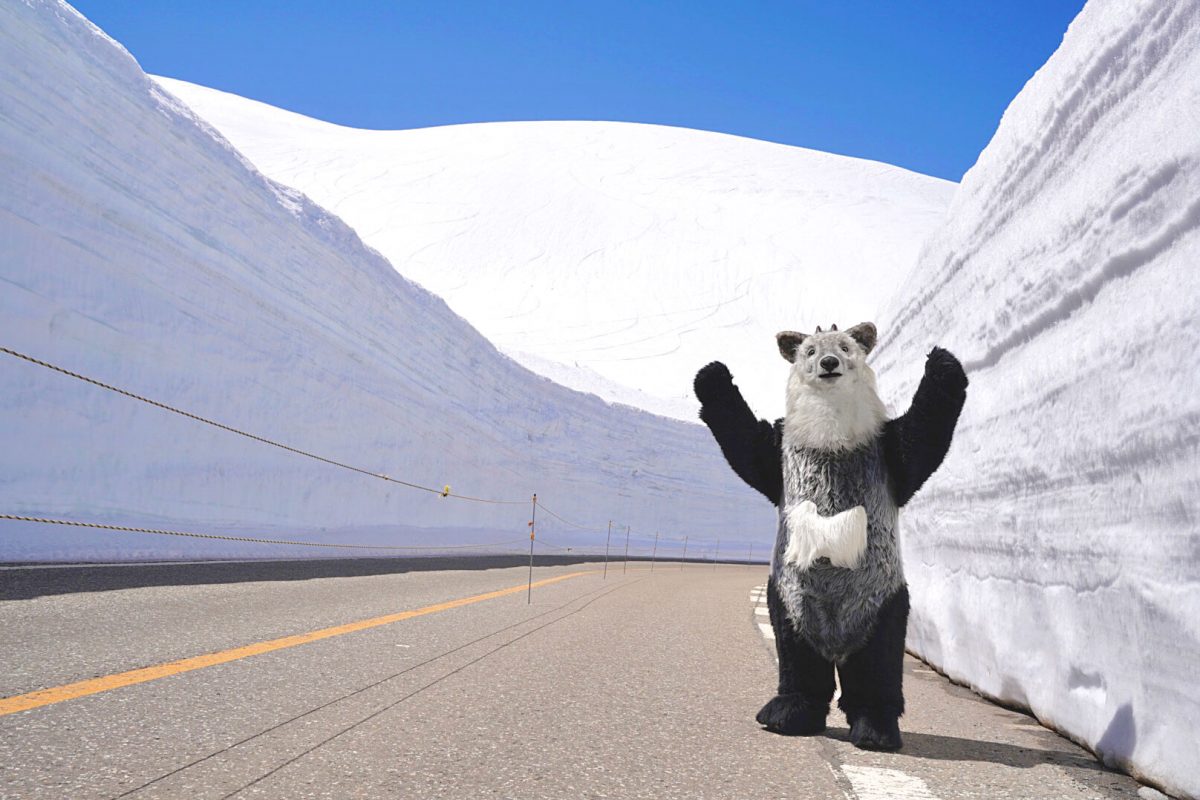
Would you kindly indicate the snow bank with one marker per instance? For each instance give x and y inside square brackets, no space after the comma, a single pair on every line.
[615,258]
[1055,558]
[141,249]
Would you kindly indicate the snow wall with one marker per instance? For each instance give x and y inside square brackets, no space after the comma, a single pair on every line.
[1054,560]
[653,249]
[141,249]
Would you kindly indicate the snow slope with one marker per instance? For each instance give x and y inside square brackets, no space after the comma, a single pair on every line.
[1055,558]
[141,249]
[616,258]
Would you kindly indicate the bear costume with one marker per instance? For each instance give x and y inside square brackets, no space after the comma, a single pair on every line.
[838,470]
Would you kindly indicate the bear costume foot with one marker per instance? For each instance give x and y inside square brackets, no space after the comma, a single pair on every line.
[792,715]
[875,732]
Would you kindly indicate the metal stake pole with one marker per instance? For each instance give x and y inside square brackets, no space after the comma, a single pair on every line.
[606,541]
[625,568]
[749,555]
[681,563]
[718,553]
[532,531]
[654,553]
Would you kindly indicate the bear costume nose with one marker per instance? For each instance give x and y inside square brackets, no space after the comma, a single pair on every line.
[830,363]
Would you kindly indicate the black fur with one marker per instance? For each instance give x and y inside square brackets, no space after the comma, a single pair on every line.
[791,715]
[752,446]
[882,732]
[914,446]
[805,689]
[872,691]
[872,680]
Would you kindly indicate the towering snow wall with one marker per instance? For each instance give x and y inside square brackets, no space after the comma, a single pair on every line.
[1055,558]
[141,249]
[617,258]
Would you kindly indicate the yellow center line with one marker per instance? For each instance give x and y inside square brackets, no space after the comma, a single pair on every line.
[70,691]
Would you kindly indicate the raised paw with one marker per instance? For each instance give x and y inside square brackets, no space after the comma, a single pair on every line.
[945,367]
[879,732]
[791,715]
[712,381]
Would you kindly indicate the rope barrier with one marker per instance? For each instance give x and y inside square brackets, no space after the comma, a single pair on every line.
[541,541]
[255,540]
[444,492]
[542,506]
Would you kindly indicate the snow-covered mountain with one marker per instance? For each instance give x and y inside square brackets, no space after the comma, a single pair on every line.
[1055,557]
[141,249]
[615,258]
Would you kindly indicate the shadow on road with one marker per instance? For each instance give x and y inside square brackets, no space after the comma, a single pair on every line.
[951,748]
[28,583]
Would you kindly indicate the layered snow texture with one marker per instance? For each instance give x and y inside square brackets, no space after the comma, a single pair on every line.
[615,258]
[141,249]
[1054,559]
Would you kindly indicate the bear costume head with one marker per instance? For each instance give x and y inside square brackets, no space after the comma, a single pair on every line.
[832,402]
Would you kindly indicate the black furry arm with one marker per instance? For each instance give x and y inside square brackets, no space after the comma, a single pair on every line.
[915,443]
[750,445]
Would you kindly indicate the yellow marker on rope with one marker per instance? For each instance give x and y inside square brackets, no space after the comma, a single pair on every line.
[446,490]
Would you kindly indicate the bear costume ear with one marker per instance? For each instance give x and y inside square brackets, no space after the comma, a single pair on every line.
[788,342]
[863,333]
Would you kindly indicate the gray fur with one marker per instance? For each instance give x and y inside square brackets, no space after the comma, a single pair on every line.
[835,608]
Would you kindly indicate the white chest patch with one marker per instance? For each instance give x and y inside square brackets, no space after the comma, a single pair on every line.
[841,538]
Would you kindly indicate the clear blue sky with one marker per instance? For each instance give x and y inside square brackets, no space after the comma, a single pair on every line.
[920,84]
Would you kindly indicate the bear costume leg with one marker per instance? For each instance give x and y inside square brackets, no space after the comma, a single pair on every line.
[872,693]
[805,679]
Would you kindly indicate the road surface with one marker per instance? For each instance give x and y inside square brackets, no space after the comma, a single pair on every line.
[438,684]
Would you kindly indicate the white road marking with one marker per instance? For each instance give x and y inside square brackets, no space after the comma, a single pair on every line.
[758,596]
[877,783]
[841,791]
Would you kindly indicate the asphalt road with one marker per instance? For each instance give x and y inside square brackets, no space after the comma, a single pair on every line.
[638,685]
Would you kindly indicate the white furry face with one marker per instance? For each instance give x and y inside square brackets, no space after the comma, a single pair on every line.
[832,402]
[823,359]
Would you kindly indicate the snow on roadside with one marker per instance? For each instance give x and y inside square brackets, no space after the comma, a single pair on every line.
[1055,558]
[143,250]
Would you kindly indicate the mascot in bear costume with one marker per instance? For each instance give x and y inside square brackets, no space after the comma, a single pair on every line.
[838,470]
